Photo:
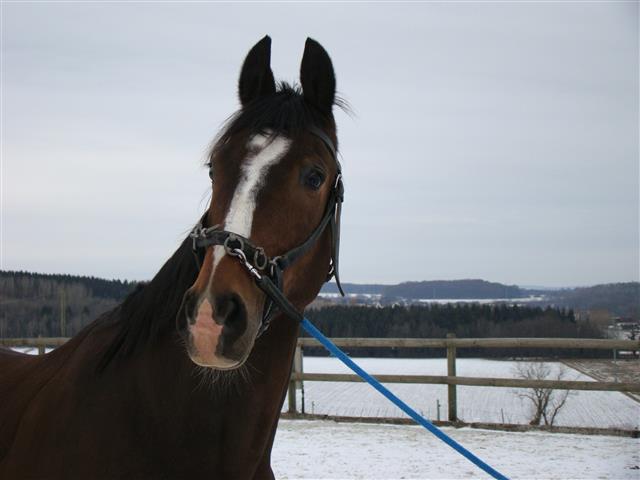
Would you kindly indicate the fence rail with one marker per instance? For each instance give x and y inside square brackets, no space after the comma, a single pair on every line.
[474,381]
[451,343]
[563,343]
[33,342]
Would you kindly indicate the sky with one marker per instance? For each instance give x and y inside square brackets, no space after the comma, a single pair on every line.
[488,140]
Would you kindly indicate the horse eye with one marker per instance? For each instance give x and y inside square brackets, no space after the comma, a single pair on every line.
[314,180]
[210,167]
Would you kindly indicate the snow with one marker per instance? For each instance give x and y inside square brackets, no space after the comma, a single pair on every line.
[330,450]
[30,350]
[439,301]
[475,404]
[482,301]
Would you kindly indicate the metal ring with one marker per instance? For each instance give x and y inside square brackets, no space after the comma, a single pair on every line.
[274,264]
[233,238]
[260,259]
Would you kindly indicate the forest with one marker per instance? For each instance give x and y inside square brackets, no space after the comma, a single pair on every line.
[464,320]
[33,304]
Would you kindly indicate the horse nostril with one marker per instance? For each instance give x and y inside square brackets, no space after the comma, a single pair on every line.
[188,308]
[230,311]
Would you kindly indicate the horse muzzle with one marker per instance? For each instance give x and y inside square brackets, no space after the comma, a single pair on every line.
[217,329]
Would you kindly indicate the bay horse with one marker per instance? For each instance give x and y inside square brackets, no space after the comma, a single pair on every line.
[183,379]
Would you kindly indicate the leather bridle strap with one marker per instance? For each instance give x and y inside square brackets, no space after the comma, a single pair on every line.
[327,142]
[335,219]
[277,297]
[336,197]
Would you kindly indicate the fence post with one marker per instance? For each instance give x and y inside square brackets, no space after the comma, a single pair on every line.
[451,372]
[41,347]
[292,383]
[297,366]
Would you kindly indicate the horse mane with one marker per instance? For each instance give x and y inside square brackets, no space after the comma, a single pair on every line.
[151,309]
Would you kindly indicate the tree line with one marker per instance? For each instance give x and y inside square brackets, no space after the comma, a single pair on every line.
[33,304]
[464,320]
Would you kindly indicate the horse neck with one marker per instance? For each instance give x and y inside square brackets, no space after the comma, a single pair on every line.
[230,417]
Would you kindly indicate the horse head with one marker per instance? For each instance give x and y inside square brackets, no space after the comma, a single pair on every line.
[276,191]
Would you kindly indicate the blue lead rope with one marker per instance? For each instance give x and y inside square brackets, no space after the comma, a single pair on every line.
[329,345]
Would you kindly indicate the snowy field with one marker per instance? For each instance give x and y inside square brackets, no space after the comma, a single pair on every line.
[439,301]
[328,450]
[475,404]
[30,350]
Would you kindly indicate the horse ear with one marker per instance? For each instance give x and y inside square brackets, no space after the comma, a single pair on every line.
[256,77]
[316,76]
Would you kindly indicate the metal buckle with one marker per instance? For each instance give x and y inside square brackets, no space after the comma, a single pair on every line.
[195,235]
[338,188]
[338,178]
[229,249]
[239,254]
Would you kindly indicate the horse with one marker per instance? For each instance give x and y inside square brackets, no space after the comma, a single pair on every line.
[183,379]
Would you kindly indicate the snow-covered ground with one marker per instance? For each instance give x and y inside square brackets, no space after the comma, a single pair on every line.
[30,350]
[475,404]
[439,301]
[482,301]
[329,450]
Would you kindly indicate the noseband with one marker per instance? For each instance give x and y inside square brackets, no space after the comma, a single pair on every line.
[268,271]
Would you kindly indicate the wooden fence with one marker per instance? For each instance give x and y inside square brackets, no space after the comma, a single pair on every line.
[451,343]
[41,342]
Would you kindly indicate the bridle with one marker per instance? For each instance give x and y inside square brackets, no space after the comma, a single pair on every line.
[268,271]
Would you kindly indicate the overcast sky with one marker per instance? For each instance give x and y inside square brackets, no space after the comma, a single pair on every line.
[491,140]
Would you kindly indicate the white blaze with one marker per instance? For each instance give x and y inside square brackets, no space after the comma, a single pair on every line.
[263,154]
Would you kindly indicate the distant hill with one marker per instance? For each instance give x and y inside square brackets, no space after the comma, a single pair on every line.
[435,289]
[355,288]
[621,299]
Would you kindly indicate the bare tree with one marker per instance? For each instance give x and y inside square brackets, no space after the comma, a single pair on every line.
[546,402]
[634,332]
